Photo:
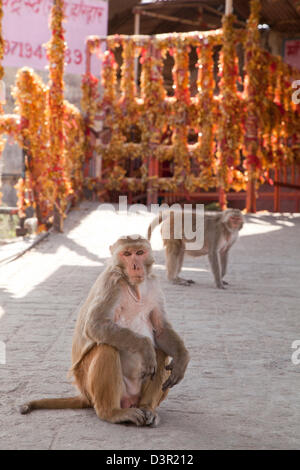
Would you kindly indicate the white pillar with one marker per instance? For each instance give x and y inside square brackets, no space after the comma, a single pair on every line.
[137,22]
[137,18]
[228,7]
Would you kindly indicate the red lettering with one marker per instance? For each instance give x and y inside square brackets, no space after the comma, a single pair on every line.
[38,52]
[28,50]
[78,56]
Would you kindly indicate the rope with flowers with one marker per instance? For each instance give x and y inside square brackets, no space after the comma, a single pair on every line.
[113,153]
[56,55]
[153,113]
[74,138]
[255,91]
[33,134]
[230,111]
[207,111]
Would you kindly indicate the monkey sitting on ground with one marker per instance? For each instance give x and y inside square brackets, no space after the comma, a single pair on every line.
[122,342]
[221,230]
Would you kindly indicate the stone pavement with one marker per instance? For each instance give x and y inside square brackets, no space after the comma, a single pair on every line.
[241,389]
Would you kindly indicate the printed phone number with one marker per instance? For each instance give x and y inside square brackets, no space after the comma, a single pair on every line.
[26,50]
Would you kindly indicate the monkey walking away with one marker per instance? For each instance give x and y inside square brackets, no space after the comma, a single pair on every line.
[123,342]
[221,230]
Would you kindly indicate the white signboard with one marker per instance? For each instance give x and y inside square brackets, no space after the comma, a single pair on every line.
[25,30]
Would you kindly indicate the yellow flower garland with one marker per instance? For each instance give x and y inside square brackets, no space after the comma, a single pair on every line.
[56,55]
[231,112]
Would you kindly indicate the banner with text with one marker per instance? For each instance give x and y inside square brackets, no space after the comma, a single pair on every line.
[25,30]
[292,52]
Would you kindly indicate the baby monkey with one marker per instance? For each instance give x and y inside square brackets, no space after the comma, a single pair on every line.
[123,342]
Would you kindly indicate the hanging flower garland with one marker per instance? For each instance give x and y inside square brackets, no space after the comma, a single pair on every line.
[127,102]
[153,94]
[112,153]
[180,114]
[56,55]
[231,112]
[74,144]
[31,105]
[154,107]
[271,117]
[207,113]
[255,91]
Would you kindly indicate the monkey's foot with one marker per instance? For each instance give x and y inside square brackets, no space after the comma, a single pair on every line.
[151,417]
[221,286]
[129,415]
[226,283]
[182,282]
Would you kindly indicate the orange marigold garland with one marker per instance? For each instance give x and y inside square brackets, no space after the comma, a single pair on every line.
[127,101]
[254,80]
[56,55]
[207,113]
[33,134]
[230,112]
[180,114]
[112,152]
[74,145]
[153,111]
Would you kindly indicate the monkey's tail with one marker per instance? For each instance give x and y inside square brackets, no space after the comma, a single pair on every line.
[55,404]
[155,222]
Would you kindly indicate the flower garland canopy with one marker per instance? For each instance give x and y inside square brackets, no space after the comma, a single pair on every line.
[223,122]
[262,122]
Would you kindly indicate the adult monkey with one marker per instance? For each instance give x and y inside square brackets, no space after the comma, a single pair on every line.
[122,341]
[221,230]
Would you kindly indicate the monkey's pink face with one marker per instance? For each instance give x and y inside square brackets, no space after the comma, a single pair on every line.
[133,260]
[235,222]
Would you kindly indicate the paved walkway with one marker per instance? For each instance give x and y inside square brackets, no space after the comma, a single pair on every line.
[241,389]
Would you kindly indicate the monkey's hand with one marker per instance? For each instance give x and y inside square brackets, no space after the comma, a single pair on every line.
[149,359]
[177,367]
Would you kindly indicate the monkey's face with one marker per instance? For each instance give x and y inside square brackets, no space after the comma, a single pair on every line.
[235,222]
[133,260]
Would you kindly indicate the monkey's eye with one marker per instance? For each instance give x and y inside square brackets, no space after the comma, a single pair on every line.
[140,252]
[126,253]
